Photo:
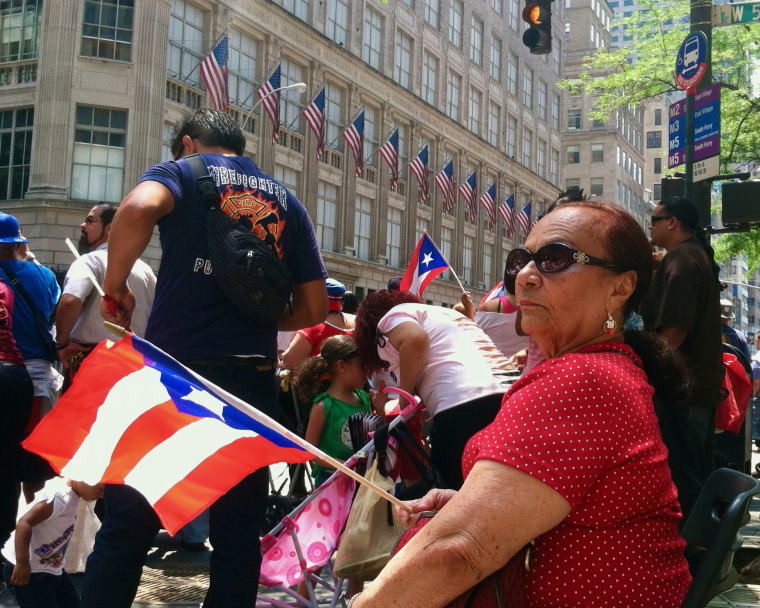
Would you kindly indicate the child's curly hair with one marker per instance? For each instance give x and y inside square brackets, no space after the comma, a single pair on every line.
[307,376]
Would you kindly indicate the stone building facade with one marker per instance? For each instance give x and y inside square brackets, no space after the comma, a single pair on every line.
[90,89]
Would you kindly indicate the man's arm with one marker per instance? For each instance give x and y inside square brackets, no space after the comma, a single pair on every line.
[66,315]
[674,336]
[309,306]
[131,230]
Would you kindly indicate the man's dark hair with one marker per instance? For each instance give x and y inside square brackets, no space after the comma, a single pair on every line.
[210,128]
[107,212]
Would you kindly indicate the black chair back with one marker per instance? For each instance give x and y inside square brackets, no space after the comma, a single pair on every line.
[712,534]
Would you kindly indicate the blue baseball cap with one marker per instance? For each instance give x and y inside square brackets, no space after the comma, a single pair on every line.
[9,230]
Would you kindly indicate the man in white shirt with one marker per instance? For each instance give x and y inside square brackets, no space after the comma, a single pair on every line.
[79,325]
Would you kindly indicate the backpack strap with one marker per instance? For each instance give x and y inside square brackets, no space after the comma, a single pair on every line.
[203,181]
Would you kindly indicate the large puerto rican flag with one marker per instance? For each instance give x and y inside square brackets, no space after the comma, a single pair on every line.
[135,416]
[426,264]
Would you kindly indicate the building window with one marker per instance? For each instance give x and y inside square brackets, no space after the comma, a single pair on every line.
[512,73]
[554,167]
[654,139]
[541,159]
[403,65]
[514,9]
[432,12]
[496,58]
[476,99]
[597,153]
[494,114]
[107,29]
[242,69]
[455,23]
[542,99]
[658,116]
[362,227]
[185,43]
[99,142]
[511,136]
[15,152]
[467,259]
[487,263]
[573,120]
[497,6]
[657,165]
[372,45]
[598,124]
[656,192]
[429,78]
[556,54]
[447,238]
[528,87]
[337,21]
[327,204]
[453,88]
[291,102]
[555,111]
[476,41]
[393,243]
[421,225]
[573,155]
[597,186]
[299,8]
[19,30]
[527,148]
[572,183]
[333,117]
[289,178]
[370,140]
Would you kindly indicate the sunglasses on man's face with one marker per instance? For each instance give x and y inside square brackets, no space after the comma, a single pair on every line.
[554,257]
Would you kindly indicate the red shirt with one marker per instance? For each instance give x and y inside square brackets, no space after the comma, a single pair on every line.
[584,424]
[8,350]
[319,333]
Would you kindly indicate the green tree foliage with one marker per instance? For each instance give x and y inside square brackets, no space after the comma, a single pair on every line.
[618,77]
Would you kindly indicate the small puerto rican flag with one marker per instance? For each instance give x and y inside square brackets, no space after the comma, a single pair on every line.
[426,264]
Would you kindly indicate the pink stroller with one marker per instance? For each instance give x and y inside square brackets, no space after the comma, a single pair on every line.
[305,539]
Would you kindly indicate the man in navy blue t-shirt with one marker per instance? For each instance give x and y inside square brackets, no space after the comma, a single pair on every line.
[196,323]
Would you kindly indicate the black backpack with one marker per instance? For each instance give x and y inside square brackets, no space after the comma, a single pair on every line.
[248,270]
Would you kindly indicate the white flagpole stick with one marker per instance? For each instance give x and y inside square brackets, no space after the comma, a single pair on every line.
[262,418]
[449,265]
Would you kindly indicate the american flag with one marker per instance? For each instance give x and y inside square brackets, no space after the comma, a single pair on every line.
[354,137]
[467,190]
[507,211]
[486,201]
[315,116]
[445,181]
[271,101]
[214,72]
[419,167]
[523,219]
[389,151]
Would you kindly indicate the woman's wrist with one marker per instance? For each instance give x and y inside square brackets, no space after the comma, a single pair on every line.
[352,600]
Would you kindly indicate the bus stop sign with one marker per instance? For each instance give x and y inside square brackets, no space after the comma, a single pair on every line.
[691,63]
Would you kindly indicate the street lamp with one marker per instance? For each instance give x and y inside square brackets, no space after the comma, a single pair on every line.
[298,87]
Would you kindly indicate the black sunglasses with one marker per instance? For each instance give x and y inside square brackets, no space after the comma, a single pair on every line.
[656,218]
[554,257]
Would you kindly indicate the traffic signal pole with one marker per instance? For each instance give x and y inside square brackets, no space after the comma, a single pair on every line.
[701,20]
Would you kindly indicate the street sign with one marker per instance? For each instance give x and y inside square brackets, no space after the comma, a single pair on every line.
[731,14]
[691,63]
[707,122]
[676,133]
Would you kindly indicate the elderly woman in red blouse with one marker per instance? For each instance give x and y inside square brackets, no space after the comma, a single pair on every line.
[574,458]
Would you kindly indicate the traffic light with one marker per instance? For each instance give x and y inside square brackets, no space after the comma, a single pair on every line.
[741,202]
[671,186]
[538,37]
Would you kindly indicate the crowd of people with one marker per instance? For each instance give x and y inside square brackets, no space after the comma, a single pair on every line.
[557,416]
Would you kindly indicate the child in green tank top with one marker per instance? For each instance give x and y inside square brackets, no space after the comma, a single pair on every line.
[328,421]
